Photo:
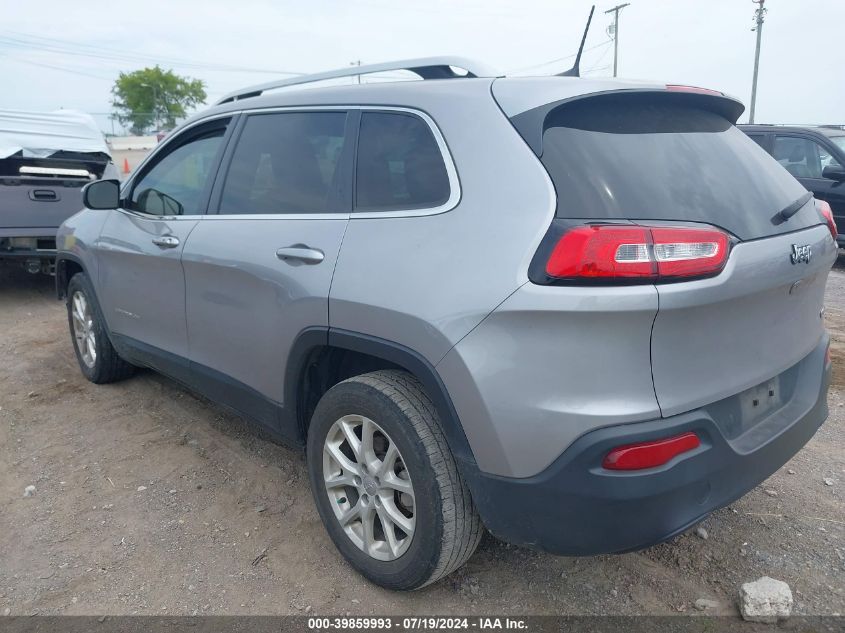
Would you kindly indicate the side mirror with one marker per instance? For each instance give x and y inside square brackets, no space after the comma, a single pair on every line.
[102,195]
[834,172]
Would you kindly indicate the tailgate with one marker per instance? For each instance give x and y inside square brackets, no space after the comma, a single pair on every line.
[716,337]
[33,204]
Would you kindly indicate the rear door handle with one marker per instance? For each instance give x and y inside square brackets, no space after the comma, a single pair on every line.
[166,241]
[300,252]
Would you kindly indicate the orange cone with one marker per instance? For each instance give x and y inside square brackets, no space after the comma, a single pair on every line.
[125,165]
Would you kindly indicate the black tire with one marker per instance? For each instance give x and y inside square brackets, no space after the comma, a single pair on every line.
[448,528]
[108,366]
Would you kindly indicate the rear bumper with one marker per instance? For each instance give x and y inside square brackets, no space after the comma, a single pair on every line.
[576,507]
[28,243]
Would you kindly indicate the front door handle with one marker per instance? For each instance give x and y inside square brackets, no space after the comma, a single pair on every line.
[300,252]
[166,241]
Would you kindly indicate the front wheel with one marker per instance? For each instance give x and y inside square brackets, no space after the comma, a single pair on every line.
[97,359]
[385,483]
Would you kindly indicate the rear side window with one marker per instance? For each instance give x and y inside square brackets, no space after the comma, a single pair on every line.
[399,164]
[286,162]
[760,139]
[641,157]
[802,157]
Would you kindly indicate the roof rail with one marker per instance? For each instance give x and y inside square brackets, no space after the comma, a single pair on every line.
[425,67]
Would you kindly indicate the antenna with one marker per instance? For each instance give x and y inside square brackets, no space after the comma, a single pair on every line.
[575,71]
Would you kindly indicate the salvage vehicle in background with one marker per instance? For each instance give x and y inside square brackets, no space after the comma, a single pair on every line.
[45,161]
[815,155]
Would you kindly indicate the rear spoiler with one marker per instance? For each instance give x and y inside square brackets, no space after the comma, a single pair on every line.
[531,123]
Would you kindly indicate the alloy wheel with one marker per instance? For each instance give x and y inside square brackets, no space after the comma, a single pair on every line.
[369,488]
[83,329]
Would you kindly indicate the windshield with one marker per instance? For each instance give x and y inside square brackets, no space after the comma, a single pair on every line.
[640,157]
[840,141]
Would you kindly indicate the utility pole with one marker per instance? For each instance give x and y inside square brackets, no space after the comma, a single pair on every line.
[356,63]
[615,28]
[759,16]
[155,103]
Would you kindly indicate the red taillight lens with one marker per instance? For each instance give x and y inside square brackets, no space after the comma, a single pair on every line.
[827,214]
[694,89]
[648,253]
[650,454]
[602,251]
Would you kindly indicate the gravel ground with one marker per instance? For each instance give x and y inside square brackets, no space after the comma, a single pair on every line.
[151,501]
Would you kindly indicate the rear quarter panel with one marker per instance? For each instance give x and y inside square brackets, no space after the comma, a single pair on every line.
[426,281]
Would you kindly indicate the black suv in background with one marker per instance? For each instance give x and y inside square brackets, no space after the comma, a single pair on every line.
[814,155]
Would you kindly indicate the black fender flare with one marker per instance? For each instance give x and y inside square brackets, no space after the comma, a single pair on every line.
[315,337]
[61,272]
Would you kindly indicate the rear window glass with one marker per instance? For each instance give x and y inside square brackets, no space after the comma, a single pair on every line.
[399,164]
[639,157]
[285,162]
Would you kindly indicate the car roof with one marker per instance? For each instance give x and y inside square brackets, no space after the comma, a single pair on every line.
[514,94]
[440,83]
[825,130]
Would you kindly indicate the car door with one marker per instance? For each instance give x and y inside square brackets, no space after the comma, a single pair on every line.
[259,266]
[805,158]
[141,285]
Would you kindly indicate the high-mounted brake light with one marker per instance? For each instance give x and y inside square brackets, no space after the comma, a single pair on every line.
[827,214]
[650,454]
[637,252]
[694,89]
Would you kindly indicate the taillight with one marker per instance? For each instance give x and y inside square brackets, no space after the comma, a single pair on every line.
[650,454]
[693,89]
[648,253]
[827,214]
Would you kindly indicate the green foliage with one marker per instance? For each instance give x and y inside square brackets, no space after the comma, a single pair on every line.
[153,97]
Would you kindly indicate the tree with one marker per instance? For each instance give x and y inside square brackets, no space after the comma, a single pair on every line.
[153,97]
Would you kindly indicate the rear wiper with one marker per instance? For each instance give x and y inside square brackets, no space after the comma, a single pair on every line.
[793,208]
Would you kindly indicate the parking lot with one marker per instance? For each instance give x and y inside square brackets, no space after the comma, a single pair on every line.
[151,501]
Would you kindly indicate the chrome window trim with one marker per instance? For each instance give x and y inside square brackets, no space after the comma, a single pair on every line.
[446,155]
[158,218]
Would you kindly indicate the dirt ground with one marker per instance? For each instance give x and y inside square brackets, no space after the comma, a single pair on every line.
[151,501]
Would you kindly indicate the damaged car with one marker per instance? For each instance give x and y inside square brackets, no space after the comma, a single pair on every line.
[45,161]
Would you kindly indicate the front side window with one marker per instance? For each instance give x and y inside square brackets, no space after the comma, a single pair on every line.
[802,157]
[286,162]
[176,182]
[399,164]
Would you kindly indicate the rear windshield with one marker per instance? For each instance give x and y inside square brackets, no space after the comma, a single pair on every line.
[640,157]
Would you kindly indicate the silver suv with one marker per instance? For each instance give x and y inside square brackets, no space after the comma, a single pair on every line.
[581,314]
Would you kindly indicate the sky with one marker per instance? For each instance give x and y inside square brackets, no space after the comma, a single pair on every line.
[67,55]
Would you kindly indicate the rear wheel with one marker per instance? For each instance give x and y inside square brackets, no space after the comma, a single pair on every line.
[97,359]
[386,484]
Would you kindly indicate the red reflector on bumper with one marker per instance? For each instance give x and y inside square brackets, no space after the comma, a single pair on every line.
[650,454]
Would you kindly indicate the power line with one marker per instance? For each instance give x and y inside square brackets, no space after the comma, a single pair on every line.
[25,41]
[559,59]
[599,61]
[59,68]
